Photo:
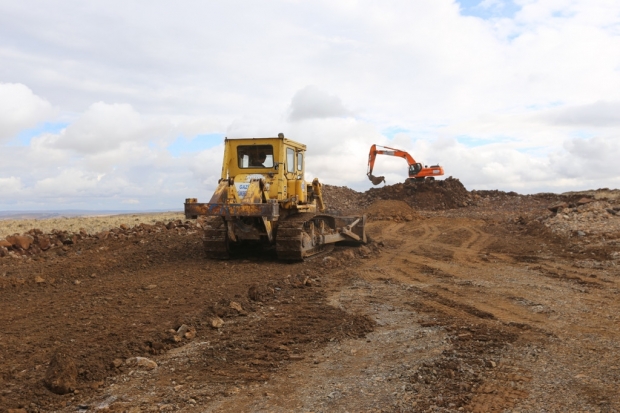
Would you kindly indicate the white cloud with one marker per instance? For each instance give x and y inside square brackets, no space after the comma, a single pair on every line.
[314,103]
[10,187]
[20,109]
[594,115]
[526,103]
[104,127]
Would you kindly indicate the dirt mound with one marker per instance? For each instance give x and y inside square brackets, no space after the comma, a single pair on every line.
[448,193]
[428,195]
[343,200]
[391,210]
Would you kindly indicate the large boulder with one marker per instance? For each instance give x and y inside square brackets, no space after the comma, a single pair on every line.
[44,242]
[21,241]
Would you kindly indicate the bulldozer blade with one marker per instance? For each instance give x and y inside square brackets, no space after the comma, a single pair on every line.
[376,180]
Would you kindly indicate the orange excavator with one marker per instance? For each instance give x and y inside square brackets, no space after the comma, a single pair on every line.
[417,172]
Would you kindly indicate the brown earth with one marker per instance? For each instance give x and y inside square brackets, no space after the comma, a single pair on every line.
[468,301]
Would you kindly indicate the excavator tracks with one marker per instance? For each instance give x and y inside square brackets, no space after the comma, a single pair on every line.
[215,238]
[293,242]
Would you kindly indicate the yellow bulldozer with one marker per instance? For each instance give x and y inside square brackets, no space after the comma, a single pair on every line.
[262,197]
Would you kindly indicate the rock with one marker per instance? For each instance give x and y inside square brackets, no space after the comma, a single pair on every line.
[217,322]
[581,234]
[612,211]
[408,217]
[38,279]
[124,227]
[17,411]
[257,293]
[44,242]
[182,330]
[61,375]
[21,241]
[584,201]
[364,251]
[103,235]
[116,363]
[141,362]
[3,252]
[349,254]
[236,306]
[190,333]
[558,207]
[4,243]
[70,240]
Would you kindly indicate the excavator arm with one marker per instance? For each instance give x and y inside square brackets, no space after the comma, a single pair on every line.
[416,170]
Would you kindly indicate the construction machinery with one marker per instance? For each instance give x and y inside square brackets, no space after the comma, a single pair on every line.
[262,197]
[417,172]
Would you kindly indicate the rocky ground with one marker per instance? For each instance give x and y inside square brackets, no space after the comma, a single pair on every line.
[468,301]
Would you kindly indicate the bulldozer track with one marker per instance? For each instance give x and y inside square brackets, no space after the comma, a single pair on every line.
[215,238]
[290,243]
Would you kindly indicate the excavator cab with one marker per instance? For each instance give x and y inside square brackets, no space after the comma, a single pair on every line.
[415,168]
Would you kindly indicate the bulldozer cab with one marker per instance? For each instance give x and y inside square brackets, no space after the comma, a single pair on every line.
[278,161]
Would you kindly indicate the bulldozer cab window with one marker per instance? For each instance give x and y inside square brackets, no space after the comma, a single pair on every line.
[290,160]
[300,161]
[255,156]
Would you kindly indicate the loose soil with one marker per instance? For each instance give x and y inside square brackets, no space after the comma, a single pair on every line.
[469,301]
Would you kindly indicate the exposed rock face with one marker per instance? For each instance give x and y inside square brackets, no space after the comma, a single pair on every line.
[61,374]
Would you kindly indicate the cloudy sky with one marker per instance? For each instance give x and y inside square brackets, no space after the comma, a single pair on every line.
[125,104]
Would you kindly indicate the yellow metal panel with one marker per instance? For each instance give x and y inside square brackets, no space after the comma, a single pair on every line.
[291,188]
[300,190]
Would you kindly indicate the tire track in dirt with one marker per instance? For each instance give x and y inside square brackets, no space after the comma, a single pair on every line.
[441,277]
[541,297]
[462,271]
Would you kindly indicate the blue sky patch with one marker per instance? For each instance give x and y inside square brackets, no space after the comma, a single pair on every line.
[494,9]
[471,142]
[392,131]
[24,137]
[196,144]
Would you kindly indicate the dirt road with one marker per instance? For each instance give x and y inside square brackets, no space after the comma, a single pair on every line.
[460,310]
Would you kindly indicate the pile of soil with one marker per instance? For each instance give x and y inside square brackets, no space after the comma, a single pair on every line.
[391,210]
[436,195]
[443,194]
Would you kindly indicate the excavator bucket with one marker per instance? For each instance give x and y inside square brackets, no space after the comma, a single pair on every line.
[376,180]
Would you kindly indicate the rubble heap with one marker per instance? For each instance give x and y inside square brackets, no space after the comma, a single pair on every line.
[585,217]
[35,241]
